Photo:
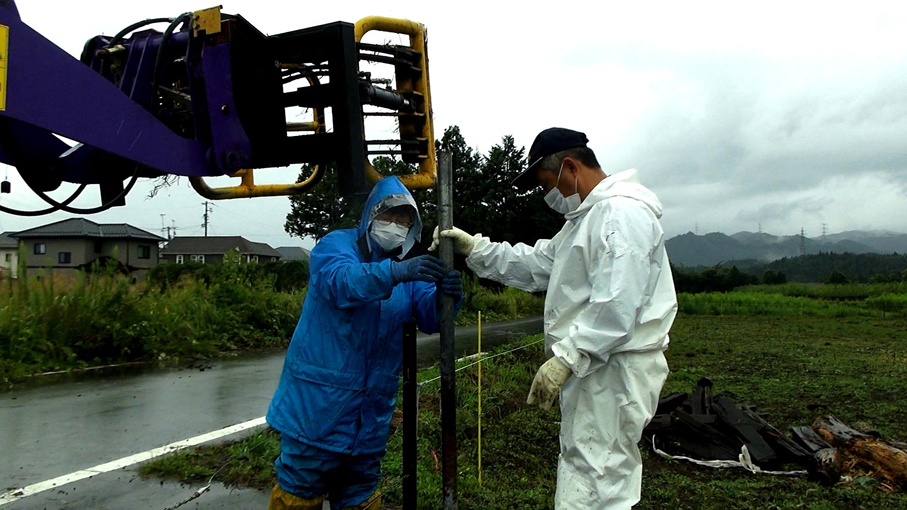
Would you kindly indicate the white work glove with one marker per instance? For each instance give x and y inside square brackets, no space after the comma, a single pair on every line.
[547,383]
[463,243]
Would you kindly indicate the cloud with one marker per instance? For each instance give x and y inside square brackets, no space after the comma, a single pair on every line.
[785,114]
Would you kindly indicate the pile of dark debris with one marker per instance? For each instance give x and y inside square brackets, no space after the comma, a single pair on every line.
[713,429]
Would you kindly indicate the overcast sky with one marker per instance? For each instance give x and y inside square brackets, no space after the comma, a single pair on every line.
[736,114]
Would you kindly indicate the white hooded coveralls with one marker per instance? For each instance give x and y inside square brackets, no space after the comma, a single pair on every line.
[610,304]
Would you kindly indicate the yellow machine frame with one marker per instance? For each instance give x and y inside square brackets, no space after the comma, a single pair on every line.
[427,174]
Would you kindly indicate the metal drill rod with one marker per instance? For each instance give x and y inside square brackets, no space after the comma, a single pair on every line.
[448,355]
[410,416]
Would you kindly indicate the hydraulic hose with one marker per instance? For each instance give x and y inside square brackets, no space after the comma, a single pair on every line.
[126,31]
[42,212]
[101,208]
[159,60]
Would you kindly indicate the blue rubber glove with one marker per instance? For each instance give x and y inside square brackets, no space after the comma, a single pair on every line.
[418,269]
[451,284]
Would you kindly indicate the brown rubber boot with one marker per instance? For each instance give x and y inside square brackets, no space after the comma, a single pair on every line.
[283,500]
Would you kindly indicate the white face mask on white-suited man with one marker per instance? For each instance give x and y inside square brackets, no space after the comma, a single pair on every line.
[558,201]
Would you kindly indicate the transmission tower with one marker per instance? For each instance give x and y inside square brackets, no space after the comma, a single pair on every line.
[802,242]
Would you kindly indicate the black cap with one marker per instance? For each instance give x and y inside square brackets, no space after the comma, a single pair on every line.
[548,142]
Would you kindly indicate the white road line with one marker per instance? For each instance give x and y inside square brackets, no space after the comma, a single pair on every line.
[60,481]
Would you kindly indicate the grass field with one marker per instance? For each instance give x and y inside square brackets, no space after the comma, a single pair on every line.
[795,367]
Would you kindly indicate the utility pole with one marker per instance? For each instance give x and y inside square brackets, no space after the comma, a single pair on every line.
[173,228]
[208,206]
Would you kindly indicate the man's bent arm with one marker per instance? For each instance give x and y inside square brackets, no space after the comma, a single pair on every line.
[341,278]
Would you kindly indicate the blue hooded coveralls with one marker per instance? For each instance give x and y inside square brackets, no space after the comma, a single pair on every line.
[338,390]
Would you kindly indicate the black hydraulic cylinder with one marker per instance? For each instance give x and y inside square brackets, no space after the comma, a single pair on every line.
[410,416]
[371,94]
[448,355]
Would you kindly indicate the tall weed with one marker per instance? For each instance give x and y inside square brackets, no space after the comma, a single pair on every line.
[846,292]
[57,322]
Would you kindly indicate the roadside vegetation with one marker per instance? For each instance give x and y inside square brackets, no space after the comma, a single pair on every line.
[179,314]
[794,365]
[496,305]
[58,323]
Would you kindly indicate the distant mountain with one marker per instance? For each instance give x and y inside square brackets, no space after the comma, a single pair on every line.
[693,250]
[888,244]
[755,238]
[861,235]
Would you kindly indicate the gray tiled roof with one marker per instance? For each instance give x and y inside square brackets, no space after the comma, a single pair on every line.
[8,242]
[293,253]
[80,227]
[185,245]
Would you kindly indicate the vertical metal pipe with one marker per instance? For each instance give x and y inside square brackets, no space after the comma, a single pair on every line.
[410,416]
[448,355]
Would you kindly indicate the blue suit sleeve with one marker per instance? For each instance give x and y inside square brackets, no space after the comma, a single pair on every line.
[341,278]
[425,306]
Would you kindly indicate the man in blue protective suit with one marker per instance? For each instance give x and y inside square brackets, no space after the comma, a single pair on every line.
[337,393]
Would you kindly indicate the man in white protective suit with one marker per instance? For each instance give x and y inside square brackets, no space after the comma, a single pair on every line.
[610,304]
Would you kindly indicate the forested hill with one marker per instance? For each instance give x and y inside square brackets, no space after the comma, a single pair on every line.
[691,250]
[863,267]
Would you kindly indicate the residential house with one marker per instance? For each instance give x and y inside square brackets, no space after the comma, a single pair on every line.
[292,253]
[76,244]
[211,250]
[9,255]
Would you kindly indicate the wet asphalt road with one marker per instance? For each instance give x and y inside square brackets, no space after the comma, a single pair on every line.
[57,425]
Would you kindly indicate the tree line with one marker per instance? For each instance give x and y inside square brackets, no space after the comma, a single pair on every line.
[828,268]
[484,200]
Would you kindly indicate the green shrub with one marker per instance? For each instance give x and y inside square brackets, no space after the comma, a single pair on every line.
[837,278]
